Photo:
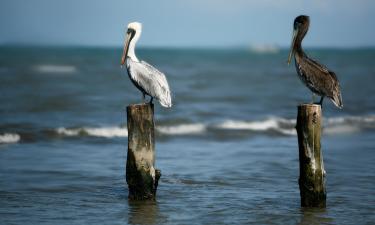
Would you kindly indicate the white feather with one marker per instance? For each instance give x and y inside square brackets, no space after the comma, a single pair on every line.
[151,80]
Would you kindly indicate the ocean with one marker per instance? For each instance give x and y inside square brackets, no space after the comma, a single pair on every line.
[227,149]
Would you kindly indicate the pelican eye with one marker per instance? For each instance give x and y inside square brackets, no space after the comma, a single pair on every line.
[297,24]
[130,30]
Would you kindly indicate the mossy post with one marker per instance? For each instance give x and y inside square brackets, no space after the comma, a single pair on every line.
[141,175]
[311,167]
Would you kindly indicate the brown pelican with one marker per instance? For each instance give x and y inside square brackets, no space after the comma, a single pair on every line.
[315,76]
[145,77]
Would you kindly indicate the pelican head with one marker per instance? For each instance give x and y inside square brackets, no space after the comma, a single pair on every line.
[132,34]
[300,27]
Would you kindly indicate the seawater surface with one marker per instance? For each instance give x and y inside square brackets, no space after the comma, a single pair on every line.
[227,149]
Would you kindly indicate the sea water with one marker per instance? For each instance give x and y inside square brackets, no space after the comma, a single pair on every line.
[227,148]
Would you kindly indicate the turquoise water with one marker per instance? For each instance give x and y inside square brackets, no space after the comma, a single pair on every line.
[227,149]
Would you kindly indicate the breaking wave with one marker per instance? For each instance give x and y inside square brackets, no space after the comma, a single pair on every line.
[334,125]
[272,125]
[110,132]
[279,125]
[182,129]
[264,125]
[107,132]
[9,138]
[240,128]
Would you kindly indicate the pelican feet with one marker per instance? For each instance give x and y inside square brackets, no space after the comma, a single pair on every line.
[144,97]
[317,103]
[320,102]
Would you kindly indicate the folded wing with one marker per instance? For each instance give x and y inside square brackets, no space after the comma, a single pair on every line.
[151,80]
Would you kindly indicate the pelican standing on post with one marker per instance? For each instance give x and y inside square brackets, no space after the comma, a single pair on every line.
[145,77]
[315,76]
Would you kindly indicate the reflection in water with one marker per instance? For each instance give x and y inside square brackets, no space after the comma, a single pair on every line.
[144,212]
[314,216]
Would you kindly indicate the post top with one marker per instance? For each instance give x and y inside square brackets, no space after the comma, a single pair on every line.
[140,107]
[309,105]
[140,104]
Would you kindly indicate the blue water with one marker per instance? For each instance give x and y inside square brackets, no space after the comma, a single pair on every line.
[227,149]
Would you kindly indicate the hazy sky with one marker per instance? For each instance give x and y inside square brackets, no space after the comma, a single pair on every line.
[336,23]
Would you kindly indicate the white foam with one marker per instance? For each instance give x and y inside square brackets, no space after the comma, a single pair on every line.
[68,131]
[243,125]
[331,126]
[264,125]
[182,129]
[9,138]
[110,132]
[292,131]
[107,132]
[49,68]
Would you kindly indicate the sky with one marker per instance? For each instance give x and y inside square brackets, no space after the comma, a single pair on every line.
[186,23]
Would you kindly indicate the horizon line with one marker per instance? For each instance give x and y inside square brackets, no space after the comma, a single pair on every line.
[184,47]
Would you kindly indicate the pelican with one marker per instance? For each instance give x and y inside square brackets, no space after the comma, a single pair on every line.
[145,77]
[315,76]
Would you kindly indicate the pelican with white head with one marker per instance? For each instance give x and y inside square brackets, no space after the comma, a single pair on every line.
[145,77]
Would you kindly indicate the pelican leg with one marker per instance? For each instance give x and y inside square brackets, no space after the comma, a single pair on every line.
[143,97]
[321,101]
[150,102]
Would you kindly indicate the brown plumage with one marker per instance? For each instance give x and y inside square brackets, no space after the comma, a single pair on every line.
[315,76]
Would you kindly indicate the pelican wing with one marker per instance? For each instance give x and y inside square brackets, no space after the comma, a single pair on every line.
[321,80]
[151,80]
[317,65]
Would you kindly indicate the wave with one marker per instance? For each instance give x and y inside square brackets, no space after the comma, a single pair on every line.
[334,125]
[50,68]
[280,125]
[269,126]
[9,138]
[110,132]
[349,124]
[107,132]
[243,125]
[272,125]
[182,129]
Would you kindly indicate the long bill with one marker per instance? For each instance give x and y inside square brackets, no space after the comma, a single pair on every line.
[126,48]
[291,52]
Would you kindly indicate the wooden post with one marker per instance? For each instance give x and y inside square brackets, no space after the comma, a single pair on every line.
[141,176]
[312,174]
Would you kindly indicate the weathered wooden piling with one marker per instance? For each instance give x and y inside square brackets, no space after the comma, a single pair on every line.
[141,175]
[312,174]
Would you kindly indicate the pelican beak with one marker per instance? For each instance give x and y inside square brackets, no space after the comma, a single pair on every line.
[291,52]
[126,46]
